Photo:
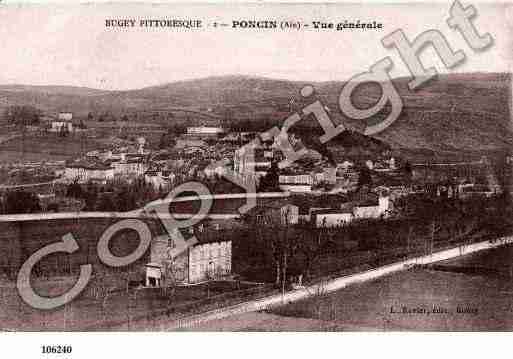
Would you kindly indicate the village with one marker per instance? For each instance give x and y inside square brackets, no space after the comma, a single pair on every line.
[316,191]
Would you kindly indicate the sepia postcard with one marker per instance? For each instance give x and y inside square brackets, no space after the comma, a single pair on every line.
[269,167]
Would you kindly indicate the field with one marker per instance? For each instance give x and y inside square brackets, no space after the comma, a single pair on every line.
[50,147]
[484,300]
[98,309]
[430,121]
[416,300]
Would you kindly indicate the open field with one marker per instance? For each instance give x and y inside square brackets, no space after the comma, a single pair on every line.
[51,147]
[124,310]
[94,310]
[430,121]
[374,305]
[406,300]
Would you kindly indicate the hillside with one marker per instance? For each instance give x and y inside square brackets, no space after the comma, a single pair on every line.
[457,112]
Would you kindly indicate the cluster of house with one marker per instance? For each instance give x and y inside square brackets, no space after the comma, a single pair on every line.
[327,212]
[125,162]
[312,171]
[349,211]
[200,147]
[193,157]
[211,257]
[458,179]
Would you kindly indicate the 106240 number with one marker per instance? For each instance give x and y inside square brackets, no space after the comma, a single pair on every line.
[56,349]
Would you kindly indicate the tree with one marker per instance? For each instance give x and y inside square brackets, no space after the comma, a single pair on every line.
[270,182]
[20,201]
[312,245]
[408,171]
[167,140]
[125,200]
[63,132]
[279,242]
[105,204]
[22,115]
[228,118]
[365,178]
[81,124]
[74,190]
[90,197]
[53,207]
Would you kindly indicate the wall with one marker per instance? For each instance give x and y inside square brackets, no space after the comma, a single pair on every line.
[20,239]
[332,219]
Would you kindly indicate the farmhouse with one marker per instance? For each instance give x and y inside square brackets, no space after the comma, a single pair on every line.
[131,165]
[205,132]
[373,210]
[254,160]
[206,260]
[85,171]
[371,207]
[62,123]
[159,179]
[296,182]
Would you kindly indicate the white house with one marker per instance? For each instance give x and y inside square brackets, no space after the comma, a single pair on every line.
[159,179]
[83,172]
[296,179]
[345,165]
[131,165]
[63,122]
[252,160]
[373,211]
[289,214]
[153,275]
[206,260]
[205,131]
[210,261]
[392,164]
[296,182]
[298,188]
[213,170]
[329,217]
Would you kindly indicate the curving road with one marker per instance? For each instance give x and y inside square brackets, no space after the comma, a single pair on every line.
[328,286]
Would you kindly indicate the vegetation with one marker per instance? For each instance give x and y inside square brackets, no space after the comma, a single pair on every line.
[116,196]
[168,139]
[22,115]
[18,202]
[270,182]
[433,123]
[421,225]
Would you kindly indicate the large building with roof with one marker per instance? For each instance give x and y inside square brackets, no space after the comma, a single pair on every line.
[84,171]
[63,122]
[203,261]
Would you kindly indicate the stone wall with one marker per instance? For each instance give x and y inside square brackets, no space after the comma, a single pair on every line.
[20,239]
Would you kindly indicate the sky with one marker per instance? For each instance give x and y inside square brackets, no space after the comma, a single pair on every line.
[70,45]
